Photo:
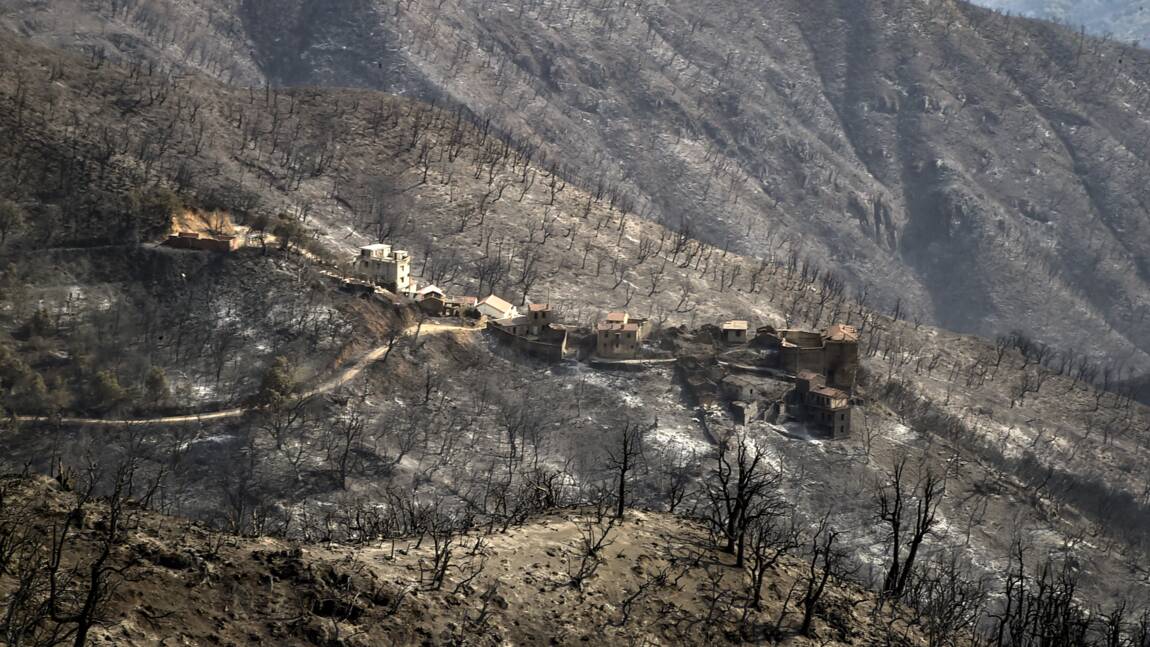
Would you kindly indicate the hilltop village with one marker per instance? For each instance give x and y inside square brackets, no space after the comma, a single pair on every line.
[733,369]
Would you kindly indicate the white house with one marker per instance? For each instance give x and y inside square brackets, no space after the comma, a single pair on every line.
[391,268]
[493,307]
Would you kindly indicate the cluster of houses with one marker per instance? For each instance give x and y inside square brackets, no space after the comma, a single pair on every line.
[803,374]
[832,353]
[534,331]
[390,269]
[806,374]
[618,338]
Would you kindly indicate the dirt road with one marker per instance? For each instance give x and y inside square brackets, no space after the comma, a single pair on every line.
[344,376]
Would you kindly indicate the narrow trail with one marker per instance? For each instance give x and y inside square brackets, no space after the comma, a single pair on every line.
[349,373]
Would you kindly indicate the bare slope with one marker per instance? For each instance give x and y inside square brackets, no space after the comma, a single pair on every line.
[655,579]
[983,170]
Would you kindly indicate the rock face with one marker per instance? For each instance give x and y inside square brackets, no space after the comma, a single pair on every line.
[982,172]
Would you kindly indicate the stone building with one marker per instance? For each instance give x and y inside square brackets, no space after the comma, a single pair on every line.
[428,291]
[745,413]
[431,300]
[539,317]
[841,355]
[832,353]
[436,303]
[702,380]
[800,350]
[751,396]
[620,337]
[459,306]
[517,326]
[739,388]
[744,396]
[204,242]
[824,407]
[433,305]
[387,267]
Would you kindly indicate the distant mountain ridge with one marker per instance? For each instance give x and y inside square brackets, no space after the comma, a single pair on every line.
[1126,20]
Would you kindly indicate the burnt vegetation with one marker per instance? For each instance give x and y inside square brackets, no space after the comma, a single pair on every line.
[446,447]
[939,153]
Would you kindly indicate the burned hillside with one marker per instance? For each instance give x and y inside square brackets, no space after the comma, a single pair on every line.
[942,156]
[651,576]
[306,406]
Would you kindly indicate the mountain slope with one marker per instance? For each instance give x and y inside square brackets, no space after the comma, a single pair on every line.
[980,171]
[1032,450]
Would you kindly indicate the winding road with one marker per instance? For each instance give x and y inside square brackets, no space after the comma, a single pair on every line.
[349,373]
